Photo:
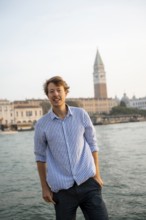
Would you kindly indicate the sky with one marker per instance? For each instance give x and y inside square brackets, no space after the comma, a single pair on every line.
[43,38]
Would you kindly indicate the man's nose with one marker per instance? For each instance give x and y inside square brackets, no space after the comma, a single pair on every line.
[55,92]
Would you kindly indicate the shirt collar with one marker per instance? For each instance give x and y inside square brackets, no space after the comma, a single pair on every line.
[53,115]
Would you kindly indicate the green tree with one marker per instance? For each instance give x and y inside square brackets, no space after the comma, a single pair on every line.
[121,110]
[122,104]
[73,103]
[45,106]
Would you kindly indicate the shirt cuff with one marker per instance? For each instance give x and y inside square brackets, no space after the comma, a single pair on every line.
[94,148]
[40,158]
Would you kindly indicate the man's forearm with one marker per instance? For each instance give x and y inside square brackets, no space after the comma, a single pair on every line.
[47,194]
[42,173]
[96,161]
[97,175]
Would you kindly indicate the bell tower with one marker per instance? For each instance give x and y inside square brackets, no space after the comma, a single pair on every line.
[99,78]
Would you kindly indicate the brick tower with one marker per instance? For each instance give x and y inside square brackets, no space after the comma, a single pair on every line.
[99,77]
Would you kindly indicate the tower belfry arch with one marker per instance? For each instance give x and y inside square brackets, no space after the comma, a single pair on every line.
[99,78]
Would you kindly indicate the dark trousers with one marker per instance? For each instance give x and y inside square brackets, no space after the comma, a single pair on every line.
[87,196]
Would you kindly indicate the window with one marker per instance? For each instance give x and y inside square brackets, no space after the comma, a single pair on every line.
[28,113]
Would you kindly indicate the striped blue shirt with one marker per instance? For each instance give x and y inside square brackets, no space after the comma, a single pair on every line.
[66,145]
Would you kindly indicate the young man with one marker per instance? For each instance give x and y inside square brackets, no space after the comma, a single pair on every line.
[67,157]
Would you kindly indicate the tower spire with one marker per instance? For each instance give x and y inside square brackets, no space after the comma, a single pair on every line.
[99,77]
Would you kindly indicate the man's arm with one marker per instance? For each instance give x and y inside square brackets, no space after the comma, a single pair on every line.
[47,194]
[97,177]
[90,136]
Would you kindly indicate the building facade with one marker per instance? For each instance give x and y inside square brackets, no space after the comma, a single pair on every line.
[95,106]
[6,112]
[20,114]
[139,103]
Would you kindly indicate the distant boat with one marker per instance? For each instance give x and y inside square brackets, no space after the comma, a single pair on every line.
[8,132]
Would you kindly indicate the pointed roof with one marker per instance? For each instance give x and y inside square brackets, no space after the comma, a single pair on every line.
[98,60]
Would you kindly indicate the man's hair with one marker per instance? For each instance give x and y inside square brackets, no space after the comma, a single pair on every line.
[58,81]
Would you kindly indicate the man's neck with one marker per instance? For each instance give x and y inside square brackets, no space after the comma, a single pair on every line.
[61,111]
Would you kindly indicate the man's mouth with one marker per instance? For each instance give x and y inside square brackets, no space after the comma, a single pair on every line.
[56,100]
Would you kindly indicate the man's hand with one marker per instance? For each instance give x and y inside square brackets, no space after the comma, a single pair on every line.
[96,161]
[99,180]
[47,195]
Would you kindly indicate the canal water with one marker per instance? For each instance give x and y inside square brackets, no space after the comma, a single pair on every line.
[122,164]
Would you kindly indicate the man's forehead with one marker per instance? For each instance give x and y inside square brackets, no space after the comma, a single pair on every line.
[53,85]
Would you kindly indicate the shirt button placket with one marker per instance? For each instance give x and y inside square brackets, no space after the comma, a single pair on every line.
[68,148]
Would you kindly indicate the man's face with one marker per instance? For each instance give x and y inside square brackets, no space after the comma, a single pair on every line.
[56,94]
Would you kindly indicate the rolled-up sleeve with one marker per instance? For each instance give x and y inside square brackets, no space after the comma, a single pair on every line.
[90,133]
[40,144]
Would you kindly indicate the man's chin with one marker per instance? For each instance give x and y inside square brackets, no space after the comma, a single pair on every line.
[56,104]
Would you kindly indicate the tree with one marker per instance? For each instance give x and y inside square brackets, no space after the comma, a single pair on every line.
[73,103]
[121,110]
[45,106]
[122,104]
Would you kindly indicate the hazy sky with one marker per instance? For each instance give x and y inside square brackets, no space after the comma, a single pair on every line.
[43,38]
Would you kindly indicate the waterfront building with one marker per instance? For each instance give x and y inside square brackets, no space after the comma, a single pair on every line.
[6,112]
[27,113]
[93,106]
[20,114]
[139,103]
